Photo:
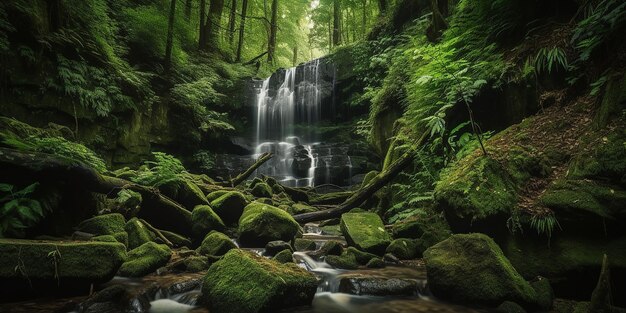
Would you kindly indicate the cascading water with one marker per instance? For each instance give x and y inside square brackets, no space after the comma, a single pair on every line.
[284,126]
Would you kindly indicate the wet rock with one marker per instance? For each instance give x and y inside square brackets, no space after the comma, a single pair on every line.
[106,224]
[361,257]
[545,294]
[365,231]
[510,307]
[331,247]
[377,286]
[138,233]
[244,283]
[330,222]
[274,247]
[196,264]
[390,258]
[145,259]
[304,244]
[375,263]
[344,261]
[405,249]
[215,244]
[284,256]
[108,300]
[261,190]
[39,267]
[204,220]
[471,268]
[216,194]
[262,223]
[184,192]
[300,208]
[301,161]
[229,206]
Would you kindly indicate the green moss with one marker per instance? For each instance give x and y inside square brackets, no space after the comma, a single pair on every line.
[121,237]
[368,178]
[176,239]
[329,198]
[300,208]
[106,224]
[332,230]
[404,249]
[261,190]
[360,256]
[262,223]
[344,261]
[365,231]
[605,159]
[375,263]
[545,294]
[510,307]
[472,269]
[196,264]
[216,244]
[304,244]
[185,192]
[216,194]
[244,283]
[204,220]
[138,233]
[585,198]
[331,247]
[145,259]
[104,238]
[59,263]
[229,206]
[285,256]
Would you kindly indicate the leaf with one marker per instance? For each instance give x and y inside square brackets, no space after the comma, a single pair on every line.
[6,187]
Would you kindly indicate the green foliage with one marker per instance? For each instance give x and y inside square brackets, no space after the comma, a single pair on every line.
[601,25]
[164,169]
[17,210]
[551,59]
[544,224]
[204,160]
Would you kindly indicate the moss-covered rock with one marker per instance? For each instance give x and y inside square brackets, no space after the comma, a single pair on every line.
[262,223]
[138,233]
[304,244]
[375,263]
[365,231]
[216,244]
[106,224]
[331,247]
[244,283]
[285,256]
[196,263]
[104,238]
[510,307]
[204,220]
[471,269]
[176,239]
[39,267]
[261,190]
[216,194]
[300,208]
[145,259]
[274,247]
[229,206]
[406,249]
[185,192]
[121,237]
[360,256]
[545,294]
[344,261]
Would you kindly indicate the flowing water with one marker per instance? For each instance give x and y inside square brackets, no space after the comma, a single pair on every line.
[289,106]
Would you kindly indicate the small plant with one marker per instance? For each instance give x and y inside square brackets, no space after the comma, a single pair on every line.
[18,212]
[54,256]
[548,60]
[164,169]
[544,224]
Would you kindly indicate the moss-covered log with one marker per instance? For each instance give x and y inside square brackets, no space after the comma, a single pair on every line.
[243,176]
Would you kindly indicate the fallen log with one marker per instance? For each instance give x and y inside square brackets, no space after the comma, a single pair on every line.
[361,195]
[160,210]
[243,176]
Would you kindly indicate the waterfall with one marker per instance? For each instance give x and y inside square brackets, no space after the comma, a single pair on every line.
[285,120]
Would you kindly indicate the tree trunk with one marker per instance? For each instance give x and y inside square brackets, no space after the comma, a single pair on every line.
[170,35]
[271,45]
[202,33]
[241,177]
[364,22]
[363,194]
[295,55]
[438,25]
[231,22]
[54,14]
[161,211]
[244,11]
[336,23]
[213,24]
[382,6]
[188,7]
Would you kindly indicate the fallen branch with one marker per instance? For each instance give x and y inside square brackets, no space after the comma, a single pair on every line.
[255,58]
[162,211]
[243,176]
[361,195]
[157,232]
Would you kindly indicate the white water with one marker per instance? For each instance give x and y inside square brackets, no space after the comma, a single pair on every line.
[295,101]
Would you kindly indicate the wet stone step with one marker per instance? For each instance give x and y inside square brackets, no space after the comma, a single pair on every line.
[379,286]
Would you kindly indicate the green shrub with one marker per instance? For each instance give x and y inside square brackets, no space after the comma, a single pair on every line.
[17,211]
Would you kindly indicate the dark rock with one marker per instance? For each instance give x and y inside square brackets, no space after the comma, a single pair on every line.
[304,244]
[284,256]
[274,247]
[229,206]
[378,286]
[331,247]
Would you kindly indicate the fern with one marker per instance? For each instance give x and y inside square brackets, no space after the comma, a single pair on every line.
[544,224]
[601,24]
[548,60]
[163,170]
[18,212]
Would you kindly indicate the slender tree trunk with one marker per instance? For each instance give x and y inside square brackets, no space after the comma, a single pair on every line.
[330,35]
[54,14]
[336,23]
[188,6]
[202,36]
[271,45]
[295,55]
[438,25]
[231,22]
[242,24]
[364,22]
[213,24]
[170,35]
[383,6]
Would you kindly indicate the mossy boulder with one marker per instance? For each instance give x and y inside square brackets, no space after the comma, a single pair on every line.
[204,220]
[145,259]
[304,244]
[406,249]
[471,269]
[360,256]
[216,244]
[245,283]
[185,192]
[510,307]
[106,224]
[285,256]
[274,247]
[138,233]
[261,223]
[365,231]
[344,261]
[375,263]
[196,263]
[121,237]
[216,194]
[545,294]
[229,206]
[261,190]
[300,208]
[104,238]
[40,267]
[331,247]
